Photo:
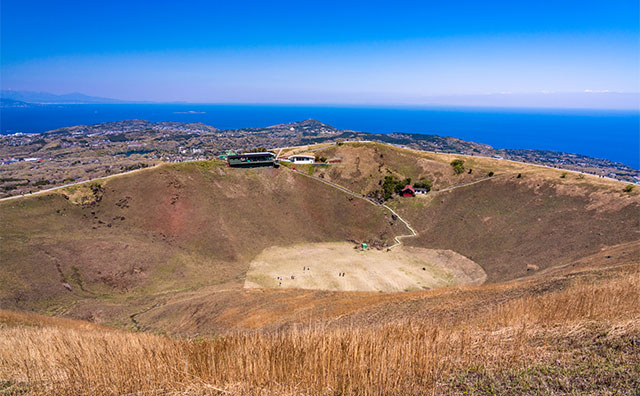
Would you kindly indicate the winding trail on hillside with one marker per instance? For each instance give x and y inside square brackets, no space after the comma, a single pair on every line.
[467,184]
[397,238]
[133,316]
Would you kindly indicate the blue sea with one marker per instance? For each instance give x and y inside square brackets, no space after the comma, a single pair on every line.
[614,135]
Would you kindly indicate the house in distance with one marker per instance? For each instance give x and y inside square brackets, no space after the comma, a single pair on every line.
[248,160]
[302,159]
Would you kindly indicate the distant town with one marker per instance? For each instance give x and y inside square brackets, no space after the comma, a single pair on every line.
[33,162]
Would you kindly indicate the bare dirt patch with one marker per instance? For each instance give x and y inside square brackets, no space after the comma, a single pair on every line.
[339,267]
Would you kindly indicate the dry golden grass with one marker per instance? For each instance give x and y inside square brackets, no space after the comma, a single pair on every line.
[585,329]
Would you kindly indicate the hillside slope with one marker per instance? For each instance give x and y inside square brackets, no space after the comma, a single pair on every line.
[573,331]
[214,312]
[163,230]
[168,248]
[524,217]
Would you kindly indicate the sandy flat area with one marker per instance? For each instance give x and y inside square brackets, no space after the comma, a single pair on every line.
[319,266]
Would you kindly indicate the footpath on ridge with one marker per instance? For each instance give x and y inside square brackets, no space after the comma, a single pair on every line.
[397,238]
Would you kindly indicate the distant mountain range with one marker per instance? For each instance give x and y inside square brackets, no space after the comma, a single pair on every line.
[4,102]
[567,100]
[10,97]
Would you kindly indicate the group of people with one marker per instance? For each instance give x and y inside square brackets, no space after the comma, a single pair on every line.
[340,274]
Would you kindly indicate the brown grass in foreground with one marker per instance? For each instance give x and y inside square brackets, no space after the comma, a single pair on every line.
[581,340]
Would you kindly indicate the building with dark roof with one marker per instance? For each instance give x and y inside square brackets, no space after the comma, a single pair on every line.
[252,160]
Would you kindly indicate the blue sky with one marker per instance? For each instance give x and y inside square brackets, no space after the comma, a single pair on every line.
[561,52]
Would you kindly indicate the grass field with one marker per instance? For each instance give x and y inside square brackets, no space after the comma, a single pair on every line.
[168,252]
[578,340]
[318,266]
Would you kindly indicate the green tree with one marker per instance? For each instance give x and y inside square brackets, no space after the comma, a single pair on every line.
[424,183]
[458,166]
[401,184]
[388,187]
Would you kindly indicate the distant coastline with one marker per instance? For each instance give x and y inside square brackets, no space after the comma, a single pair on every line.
[609,134]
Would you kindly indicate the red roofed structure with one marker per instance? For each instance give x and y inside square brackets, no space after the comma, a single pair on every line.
[408,191]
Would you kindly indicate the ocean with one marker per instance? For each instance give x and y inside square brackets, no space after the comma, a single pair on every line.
[614,135]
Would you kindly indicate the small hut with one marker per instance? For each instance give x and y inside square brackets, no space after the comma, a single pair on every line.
[408,191]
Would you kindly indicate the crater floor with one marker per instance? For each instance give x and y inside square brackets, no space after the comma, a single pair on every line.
[319,266]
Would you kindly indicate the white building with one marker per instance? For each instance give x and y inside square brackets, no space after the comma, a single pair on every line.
[302,159]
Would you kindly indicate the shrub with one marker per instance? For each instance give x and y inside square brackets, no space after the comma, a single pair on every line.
[118,137]
[42,182]
[564,175]
[490,174]
[257,150]
[628,188]
[458,166]
[424,183]
[519,176]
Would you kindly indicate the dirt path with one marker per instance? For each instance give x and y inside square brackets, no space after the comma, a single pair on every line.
[397,238]
[79,182]
[467,184]
[133,316]
[345,190]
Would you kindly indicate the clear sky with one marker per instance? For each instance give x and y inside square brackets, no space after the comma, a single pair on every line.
[323,52]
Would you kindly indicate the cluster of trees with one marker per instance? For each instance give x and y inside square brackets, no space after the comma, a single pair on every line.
[391,186]
[139,165]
